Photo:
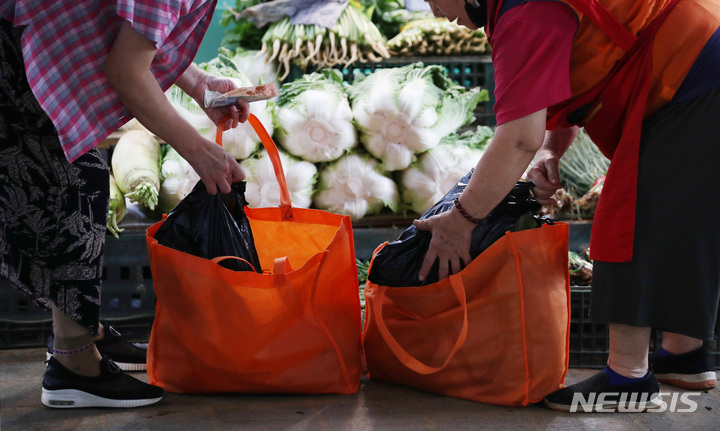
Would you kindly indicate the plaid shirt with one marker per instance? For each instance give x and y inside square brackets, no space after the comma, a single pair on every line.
[65,47]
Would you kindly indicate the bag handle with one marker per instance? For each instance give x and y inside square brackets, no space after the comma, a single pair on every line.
[219,259]
[285,205]
[406,358]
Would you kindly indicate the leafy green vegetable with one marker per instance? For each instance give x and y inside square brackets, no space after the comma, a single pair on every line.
[241,32]
[390,15]
[241,141]
[581,165]
[362,267]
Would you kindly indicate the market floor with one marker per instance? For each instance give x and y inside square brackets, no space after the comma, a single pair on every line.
[376,406]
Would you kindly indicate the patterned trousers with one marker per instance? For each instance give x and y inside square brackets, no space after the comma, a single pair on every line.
[52,213]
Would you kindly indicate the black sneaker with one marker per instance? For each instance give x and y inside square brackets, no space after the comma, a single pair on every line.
[597,394]
[691,370]
[61,388]
[128,356]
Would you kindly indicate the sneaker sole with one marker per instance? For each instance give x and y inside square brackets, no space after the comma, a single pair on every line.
[627,407]
[125,366]
[706,380]
[73,399]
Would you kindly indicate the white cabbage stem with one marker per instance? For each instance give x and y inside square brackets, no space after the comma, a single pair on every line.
[355,186]
[403,112]
[316,126]
[437,171]
[262,189]
[179,178]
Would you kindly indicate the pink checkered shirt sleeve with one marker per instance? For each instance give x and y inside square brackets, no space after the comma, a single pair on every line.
[65,46]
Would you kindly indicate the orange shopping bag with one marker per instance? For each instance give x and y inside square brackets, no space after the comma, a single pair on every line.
[496,332]
[295,328]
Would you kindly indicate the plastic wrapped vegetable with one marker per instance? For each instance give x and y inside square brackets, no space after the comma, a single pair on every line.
[399,262]
[438,36]
[437,170]
[240,141]
[253,64]
[211,226]
[580,268]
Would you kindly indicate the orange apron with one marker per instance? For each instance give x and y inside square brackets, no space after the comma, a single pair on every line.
[616,107]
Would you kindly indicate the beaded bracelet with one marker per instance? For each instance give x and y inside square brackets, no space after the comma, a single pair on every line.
[464,213]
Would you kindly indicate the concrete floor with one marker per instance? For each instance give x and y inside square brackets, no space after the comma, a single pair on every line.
[376,406]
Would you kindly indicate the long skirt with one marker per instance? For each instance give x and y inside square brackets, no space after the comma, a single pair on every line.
[673,281]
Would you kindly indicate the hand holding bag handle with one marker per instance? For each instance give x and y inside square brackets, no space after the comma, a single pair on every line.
[272,150]
[406,358]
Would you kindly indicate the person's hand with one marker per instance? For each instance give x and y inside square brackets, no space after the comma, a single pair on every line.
[217,169]
[546,177]
[238,113]
[450,243]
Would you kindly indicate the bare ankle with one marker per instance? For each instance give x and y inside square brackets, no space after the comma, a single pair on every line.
[86,363]
[678,344]
[78,354]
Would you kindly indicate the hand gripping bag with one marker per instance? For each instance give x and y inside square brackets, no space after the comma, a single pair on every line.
[497,332]
[295,328]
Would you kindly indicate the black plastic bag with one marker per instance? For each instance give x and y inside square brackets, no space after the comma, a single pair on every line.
[210,226]
[399,262]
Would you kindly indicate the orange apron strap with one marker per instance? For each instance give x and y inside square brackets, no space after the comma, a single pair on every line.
[607,22]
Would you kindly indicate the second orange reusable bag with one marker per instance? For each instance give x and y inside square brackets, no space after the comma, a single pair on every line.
[496,332]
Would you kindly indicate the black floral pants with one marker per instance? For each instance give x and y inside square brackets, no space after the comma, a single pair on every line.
[52,213]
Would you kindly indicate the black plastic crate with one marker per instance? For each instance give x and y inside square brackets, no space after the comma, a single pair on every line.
[127,279]
[589,341]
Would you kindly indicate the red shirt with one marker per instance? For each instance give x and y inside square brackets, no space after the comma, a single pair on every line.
[531,58]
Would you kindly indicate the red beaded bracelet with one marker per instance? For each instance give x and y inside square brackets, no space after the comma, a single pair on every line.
[464,213]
